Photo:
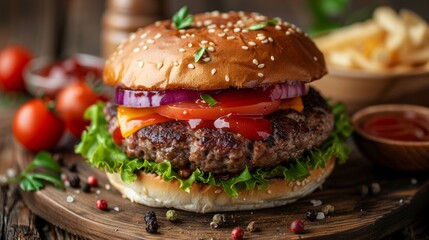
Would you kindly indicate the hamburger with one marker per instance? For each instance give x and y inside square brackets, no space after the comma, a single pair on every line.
[213,112]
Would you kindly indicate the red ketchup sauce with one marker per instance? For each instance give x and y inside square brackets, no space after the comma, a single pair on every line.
[253,128]
[70,69]
[400,126]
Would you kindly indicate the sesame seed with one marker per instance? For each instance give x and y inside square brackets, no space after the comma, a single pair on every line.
[260,38]
[183,37]
[182,50]
[230,37]
[226,30]
[143,35]
[227,78]
[211,30]
[211,43]
[210,49]
[255,61]
[199,24]
[204,41]
[287,32]
[213,72]
[191,66]
[252,43]
[315,58]
[187,35]
[141,44]
[207,22]
[272,58]
[136,50]
[221,34]
[157,23]
[237,29]
[158,35]
[212,26]
[245,47]
[192,35]
[270,39]
[261,65]
[189,44]
[244,31]
[159,65]
[175,63]
[206,59]
[218,191]
[120,52]
[182,31]
[264,41]
[150,41]
[278,27]
[145,47]
[260,75]
[132,36]
[140,63]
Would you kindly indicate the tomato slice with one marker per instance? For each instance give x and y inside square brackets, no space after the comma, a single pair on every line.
[251,128]
[132,119]
[200,110]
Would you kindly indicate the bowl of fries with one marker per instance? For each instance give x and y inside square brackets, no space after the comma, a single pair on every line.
[380,60]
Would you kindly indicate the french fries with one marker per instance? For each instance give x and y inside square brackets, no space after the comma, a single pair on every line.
[390,40]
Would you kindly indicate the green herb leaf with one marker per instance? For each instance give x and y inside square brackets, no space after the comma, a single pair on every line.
[54,179]
[199,54]
[182,19]
[100,150]
[209,99]
[44,159]
[262,25]
[31,184]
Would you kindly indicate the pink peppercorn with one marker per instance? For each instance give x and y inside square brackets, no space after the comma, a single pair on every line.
[92,181]
[237,233]
[297,226]
[102,204]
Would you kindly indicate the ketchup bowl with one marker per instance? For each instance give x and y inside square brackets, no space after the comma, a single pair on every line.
[394,136]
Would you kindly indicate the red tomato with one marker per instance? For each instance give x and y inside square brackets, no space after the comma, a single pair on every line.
[72,101]
[36,127]
[199,110]
[13,59]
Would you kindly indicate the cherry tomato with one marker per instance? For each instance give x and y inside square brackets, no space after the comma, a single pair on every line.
[200,110]
[13,59]
[72,101]
[36,127]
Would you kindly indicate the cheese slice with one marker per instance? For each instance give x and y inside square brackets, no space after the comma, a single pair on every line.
[292,103]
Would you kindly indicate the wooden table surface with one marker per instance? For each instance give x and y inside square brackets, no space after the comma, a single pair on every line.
[18,222]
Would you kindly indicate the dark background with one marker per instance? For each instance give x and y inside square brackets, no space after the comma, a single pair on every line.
[63,27]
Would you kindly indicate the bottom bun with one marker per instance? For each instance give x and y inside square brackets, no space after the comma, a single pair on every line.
[152,190]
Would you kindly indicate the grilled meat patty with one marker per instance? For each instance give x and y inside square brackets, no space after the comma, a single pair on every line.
[222,152]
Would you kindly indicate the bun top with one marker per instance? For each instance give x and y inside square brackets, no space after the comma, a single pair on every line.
[159,56]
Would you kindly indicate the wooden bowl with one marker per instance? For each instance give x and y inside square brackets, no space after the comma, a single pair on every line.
[358,88]
[408,156]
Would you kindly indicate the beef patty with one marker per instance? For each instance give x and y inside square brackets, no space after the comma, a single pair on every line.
[222,152]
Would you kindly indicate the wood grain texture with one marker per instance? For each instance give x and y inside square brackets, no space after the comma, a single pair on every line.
[363,217]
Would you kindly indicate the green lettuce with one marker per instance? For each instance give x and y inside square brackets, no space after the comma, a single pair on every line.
[98,147]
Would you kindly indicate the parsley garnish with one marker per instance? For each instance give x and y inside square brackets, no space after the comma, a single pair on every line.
[199,54]
[209,99]
[33,181]
[261,25]
[182,19]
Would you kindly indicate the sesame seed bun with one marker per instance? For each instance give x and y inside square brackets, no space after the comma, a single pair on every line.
[151,190]
[160,57]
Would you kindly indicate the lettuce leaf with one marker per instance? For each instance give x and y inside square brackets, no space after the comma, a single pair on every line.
[98,148]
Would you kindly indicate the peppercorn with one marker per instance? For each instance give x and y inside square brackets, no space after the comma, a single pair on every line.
[74,181]
[86,188]
[59,158]
[375,188]
[171,215]
[92,181]
[251,227]
[311,215]
[237,233]
[151,222]
[102,204]
[72,167]
[218,220]
[328,209]
[297,226]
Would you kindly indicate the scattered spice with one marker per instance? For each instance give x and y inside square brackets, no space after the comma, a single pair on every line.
[151,222]
[92,181]
[218,220]
[297,226]
[102,204]
[171,215]
[413,181]
[315,202]
[320,216]
[375,188]
[107,187]
[74,181]
[69,199]
[72,167]
[311,215]
[364,190]
[328,209]
[86,188]
[237,233]
[11,173]
[59,158]
[116,209]
[251,227]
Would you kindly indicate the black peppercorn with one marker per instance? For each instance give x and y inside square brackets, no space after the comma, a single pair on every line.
[72,167]
[311,215]
[151,222]
[86,188]
[74,181]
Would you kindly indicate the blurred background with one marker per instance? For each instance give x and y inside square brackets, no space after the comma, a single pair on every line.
[63,27]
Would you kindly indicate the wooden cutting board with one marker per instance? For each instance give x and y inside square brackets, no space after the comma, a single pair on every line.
[400,201]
